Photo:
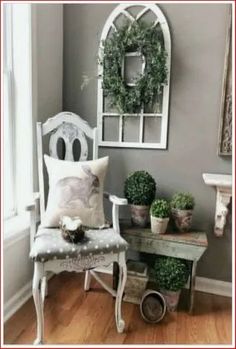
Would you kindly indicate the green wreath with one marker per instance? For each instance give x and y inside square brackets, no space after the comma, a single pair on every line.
[147,40]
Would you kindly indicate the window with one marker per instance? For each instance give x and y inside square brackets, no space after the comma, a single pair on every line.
[9,188]
[126,116]
[17,110]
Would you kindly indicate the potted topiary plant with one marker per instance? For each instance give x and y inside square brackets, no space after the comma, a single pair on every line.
[182,205]
[140,190]
[160,210]
[171,275]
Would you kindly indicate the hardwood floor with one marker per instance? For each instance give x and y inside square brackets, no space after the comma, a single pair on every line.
[73,316]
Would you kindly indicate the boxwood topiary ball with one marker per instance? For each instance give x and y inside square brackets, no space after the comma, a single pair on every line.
[140,188]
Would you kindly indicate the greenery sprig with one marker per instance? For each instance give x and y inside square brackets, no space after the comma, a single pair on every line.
[183,201]
[136,37]
[160,208]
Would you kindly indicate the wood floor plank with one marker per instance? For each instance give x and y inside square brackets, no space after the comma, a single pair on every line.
[73,316]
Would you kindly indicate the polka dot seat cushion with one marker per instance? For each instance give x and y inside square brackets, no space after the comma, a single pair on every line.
[49,244]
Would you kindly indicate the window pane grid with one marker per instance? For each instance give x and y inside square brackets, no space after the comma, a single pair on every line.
[154,114]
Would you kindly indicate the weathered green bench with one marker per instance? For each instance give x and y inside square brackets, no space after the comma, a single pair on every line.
[189,246]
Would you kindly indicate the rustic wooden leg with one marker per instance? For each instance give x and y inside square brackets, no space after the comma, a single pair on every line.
[192,286]
[120,324]
[37,295]
[87,280]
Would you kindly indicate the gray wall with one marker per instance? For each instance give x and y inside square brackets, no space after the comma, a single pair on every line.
[198,34]
[49,59]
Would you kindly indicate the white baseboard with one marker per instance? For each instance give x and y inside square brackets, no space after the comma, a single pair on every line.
[17,300]
[217,287]
[206,285]
[212,286]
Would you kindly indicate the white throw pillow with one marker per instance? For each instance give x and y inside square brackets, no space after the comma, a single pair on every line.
[75,189]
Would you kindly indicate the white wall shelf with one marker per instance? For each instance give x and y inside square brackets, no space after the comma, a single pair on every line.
[223,185]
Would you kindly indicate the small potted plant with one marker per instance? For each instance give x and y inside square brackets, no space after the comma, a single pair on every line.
[160,211]
[182,205]
[140,190]
[171,275]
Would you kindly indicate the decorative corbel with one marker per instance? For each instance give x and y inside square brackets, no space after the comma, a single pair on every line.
[223,185]
[222,201]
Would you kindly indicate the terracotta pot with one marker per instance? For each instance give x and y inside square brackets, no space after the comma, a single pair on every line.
[140,215]
[152,306]
[172,299]
[159,225]
[182,219]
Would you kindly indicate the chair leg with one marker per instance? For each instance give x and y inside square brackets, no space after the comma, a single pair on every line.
[120,324]
[37,295]
[44,288]
[87,280]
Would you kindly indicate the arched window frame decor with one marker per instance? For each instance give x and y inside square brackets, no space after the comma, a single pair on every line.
[123,9]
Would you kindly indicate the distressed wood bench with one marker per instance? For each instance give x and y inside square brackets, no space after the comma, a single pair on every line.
[189,246]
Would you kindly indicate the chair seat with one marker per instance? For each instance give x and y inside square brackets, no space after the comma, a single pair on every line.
[49,244]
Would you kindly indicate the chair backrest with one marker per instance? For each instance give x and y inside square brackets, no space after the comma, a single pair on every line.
[68,128]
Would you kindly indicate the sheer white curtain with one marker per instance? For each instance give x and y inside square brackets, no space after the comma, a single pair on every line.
[17,109]
[8,137]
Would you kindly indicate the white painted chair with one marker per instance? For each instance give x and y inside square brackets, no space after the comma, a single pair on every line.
[70,127]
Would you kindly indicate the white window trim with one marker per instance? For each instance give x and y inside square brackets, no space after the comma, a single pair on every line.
[23,111]
[16,226]
[123,9]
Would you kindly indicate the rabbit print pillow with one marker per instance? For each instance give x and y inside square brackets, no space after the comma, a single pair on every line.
[75,189]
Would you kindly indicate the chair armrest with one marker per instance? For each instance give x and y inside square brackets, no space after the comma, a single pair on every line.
[32,203]
[31,207]
[116,202]
[115,199]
